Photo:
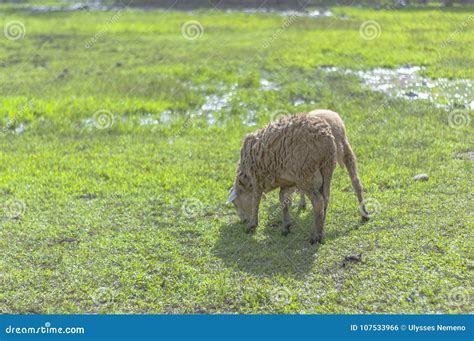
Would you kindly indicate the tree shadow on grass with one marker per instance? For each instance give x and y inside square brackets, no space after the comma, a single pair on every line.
[267,252]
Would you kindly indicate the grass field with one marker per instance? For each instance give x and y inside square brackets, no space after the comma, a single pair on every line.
[120,138]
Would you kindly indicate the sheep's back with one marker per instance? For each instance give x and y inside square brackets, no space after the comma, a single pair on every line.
[337,128]
[292,148]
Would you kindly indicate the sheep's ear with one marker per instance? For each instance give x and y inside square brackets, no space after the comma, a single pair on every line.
[232,195]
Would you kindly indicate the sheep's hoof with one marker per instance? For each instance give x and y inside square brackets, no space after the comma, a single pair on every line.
[364,214]
[286,230]
[315,240]
[250,229]
[276,224]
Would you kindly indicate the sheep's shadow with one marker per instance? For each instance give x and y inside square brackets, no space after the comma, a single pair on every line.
[268,252]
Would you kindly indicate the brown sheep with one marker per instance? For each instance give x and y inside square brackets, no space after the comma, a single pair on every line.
[344,155]
[293,152]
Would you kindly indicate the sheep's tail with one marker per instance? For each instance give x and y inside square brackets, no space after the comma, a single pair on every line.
[351,165]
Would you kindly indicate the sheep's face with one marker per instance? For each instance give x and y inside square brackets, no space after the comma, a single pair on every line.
[241,198]
[241,194]
[243,206]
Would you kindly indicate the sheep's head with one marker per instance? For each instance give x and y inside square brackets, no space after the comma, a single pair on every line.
[242,201]
[241,195]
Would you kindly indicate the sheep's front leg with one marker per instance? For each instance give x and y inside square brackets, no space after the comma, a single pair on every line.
[253,222]
[317,200]
[302,204]
[285,197]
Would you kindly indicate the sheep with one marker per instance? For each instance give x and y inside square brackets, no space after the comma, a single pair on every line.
[294,152]
[344,155]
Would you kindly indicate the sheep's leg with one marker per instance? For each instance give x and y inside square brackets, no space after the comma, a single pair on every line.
[253,222]
[302,204]
[351,165]
[317,200]
[285,197]
[327,172]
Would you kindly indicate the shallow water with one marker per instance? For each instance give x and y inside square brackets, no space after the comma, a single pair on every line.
[284,13]
[406,82]
[300,100]
[98,6]
[215,103]
[20,129]
[149,119]
[72,8]
[267,85]
[10,127]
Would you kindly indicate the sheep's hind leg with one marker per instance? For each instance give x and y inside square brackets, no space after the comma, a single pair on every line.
[317,201]
[285,196]
[327,172]
[351,165]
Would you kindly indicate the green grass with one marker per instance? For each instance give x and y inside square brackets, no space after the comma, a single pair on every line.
[131,218]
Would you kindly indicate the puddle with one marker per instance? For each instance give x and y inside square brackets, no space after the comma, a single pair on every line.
[251,119]
[406,82]
[97,6]
[267,85]
[215,103]
[165,116]
[11,126]
[299,101]
[283,13]
[469,155]
[20,129]
[216,108]
[87,124]
[72,8]
[311,14]
[148,119]
[215,111]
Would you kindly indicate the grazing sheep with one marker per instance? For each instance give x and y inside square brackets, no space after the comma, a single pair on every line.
[344,155]
[294,152]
